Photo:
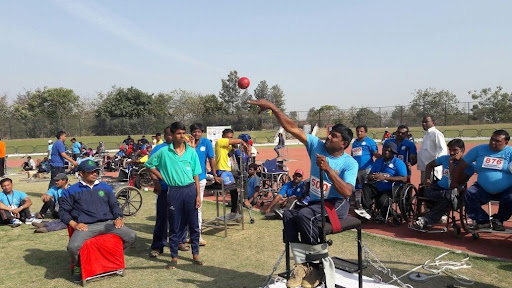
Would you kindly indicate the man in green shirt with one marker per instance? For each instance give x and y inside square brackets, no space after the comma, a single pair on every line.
[178,165]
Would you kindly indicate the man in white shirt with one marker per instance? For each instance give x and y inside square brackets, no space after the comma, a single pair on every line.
[433,146]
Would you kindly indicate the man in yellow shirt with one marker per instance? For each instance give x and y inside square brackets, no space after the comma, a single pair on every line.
[222,159]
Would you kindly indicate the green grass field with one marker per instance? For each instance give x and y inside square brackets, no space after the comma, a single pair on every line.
[243,259]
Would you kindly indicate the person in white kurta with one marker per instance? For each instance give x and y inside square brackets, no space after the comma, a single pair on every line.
[433,146]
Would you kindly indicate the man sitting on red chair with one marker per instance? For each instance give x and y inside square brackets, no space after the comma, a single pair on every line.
[91,208]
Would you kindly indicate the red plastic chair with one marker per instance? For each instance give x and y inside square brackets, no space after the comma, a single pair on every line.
[100,256]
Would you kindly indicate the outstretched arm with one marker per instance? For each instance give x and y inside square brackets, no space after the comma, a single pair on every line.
[283,120]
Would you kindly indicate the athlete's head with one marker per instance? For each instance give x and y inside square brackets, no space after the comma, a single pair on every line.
[499,140]
[339,138]
[361,131]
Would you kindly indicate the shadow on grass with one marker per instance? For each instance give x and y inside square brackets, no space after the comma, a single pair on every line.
[56,262]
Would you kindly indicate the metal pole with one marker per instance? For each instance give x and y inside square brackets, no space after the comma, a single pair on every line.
[468,113]
[445,113]
[322,207]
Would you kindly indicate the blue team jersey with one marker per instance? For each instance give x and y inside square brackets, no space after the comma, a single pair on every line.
[77,148]
[344,165]
[288,190]
[158,147]
[13,199]
[394,167]
[363,151]
[55,192]
[252,183]
[405,150]
[444,161]
[57,160]
[204,150]
[492,167]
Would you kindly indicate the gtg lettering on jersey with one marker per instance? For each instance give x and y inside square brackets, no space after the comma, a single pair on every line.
[315,187]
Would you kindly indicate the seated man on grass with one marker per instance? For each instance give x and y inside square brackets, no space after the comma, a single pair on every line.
[13,204]
[440,192]
[29,165]
[51,202]
[253,186]
[289,193]
[385,171]
[91,208]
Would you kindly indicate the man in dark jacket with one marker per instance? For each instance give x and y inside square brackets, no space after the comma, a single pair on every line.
[91,208]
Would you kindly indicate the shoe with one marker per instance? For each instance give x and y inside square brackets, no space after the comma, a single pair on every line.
[29,221]
[183,247]
[38,224]
[279,214]
[233,216]
[379,218]
[497,225]
[419,224]
[202,242]
[15,223]
[154,254]
[297,275]
[39,216]
[312,279]
[77,274]
[41,230]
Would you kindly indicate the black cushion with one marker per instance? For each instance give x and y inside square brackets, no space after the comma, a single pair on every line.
[348,223]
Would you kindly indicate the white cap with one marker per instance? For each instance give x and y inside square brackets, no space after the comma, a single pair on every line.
[50,141]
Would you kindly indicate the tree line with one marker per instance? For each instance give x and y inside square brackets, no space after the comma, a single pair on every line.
[39,113]
[488,106]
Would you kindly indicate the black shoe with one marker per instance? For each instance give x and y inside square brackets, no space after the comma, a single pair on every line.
[379,218]
[279,214]
[77,274]
[497,225]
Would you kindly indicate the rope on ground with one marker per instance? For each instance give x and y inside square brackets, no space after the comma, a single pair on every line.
[437,267]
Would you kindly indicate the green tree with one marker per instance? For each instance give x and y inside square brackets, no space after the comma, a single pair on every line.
[123,111]
[262,91]
[442,105]
[366,116]
[43,112]
[230,93]
[277,97]
[493,106]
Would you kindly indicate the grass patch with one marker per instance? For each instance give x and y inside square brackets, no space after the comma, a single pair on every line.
[243,259]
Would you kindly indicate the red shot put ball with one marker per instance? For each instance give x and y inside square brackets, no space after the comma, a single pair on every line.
[243,83]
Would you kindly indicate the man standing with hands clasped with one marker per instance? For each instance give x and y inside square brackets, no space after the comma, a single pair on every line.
[178,165]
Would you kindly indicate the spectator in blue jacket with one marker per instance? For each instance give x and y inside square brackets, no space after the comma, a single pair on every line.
[91,208]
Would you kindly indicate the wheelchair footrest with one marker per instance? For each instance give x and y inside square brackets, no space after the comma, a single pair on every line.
[346,265]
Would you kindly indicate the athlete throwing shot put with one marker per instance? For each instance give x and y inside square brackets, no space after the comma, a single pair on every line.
[339,172]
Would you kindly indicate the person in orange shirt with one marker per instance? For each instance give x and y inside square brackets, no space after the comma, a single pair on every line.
[2,158]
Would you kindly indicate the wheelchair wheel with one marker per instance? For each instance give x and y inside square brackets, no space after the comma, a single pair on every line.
[281,180]
[130,200]
[407,202]
[142,179]
[463,217]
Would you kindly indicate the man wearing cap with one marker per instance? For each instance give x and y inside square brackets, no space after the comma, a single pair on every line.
[291,191]
[178,165]
[58,157]
[91,208]
[406,148]
[51,202]
[385,171]
[339,172]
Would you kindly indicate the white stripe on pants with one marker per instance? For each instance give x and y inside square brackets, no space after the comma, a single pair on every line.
[202,185]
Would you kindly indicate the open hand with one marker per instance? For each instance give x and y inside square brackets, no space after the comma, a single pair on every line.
[262,103]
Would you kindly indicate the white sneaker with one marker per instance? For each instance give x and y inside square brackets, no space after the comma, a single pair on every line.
[34,220]
[29,221]
[15,223]
[420,223]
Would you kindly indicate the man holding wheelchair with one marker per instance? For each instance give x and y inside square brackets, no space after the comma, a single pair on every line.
[439,193]
[384,172]
[492,163]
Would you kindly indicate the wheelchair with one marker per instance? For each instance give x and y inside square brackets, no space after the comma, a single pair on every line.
[456,217]
[273,175]
[402,203]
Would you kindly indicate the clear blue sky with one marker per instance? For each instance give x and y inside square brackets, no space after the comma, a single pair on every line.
[344,53]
